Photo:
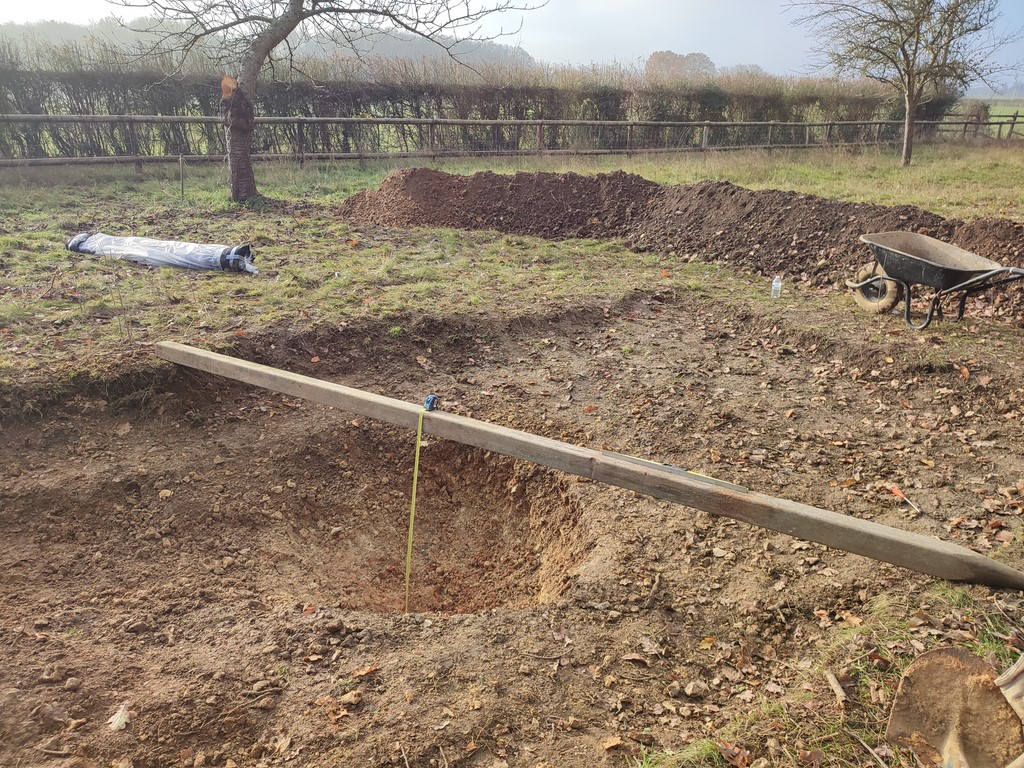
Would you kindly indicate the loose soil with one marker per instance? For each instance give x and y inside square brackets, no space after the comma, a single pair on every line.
[226,565]
[801,237]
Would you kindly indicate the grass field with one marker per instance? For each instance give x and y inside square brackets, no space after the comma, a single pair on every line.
[74,312]
[953,180]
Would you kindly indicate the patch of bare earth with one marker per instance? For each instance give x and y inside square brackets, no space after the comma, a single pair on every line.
[228,563]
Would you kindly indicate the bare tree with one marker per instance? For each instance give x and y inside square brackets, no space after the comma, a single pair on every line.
[915,46]
[248,33]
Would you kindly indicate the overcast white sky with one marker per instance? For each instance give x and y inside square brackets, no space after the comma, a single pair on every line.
[730,32]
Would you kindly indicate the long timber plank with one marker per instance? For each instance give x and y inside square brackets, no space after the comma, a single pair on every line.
[880,542]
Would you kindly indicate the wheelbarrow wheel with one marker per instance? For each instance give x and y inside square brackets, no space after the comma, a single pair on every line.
[878,296]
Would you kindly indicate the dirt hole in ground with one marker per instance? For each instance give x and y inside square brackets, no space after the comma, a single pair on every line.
[488,532]
[312,506]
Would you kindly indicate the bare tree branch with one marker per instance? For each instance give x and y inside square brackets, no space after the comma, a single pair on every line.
[240,30]
[918,47]
[246,36]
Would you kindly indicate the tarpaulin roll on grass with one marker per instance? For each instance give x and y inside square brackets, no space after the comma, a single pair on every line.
[166,253]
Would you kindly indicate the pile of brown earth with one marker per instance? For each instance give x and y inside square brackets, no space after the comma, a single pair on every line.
[555,206]
[768,231]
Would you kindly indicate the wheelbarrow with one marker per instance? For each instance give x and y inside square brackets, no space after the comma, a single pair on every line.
[906,259]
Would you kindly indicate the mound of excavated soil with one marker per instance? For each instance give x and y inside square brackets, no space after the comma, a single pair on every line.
[772,231]
[769,231]
[550,205]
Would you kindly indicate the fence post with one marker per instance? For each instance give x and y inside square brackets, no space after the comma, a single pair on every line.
[432,136]
[300,142]
[977,125]
[705,136]
[828,133]
[878,133]
[629,137]
[1013,123]
[771,129]
[807,135]
[540,137]
[133,143]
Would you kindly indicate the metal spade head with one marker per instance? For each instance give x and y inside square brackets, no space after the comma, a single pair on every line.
[949,711]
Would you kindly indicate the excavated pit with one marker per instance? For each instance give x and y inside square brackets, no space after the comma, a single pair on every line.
[488,531]
[303,504]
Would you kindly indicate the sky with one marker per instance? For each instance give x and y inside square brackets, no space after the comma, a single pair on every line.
[730,32]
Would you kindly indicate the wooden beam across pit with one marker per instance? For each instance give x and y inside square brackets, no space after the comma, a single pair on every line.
[879,542]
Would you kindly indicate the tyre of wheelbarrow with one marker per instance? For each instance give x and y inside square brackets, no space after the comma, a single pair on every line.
[879,296]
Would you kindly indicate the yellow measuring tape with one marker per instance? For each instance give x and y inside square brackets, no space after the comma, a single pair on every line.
[412,507]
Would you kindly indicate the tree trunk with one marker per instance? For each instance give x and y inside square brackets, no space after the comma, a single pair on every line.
[236,107]
[237,114]
[908,129]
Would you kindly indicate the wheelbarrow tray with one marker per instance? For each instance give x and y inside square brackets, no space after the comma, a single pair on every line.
[914,258]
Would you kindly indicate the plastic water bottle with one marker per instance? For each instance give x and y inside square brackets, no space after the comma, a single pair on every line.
[777,287]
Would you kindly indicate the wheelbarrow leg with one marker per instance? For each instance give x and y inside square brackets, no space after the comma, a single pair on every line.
[934,305]
[961,306]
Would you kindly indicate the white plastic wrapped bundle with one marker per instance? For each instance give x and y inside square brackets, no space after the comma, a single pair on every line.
[166,253]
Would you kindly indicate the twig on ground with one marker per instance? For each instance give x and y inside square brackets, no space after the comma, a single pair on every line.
[543,658]
[46,293]
[54,752]
[837,689]
[868,747]
[654,590]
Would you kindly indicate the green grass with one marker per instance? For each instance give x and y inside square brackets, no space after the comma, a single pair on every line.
[1005,107]
[63,315]
[963,181]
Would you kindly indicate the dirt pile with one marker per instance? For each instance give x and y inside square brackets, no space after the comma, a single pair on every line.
[768,231]
[550,205]
[772,231]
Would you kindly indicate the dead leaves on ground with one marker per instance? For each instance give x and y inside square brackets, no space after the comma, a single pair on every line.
[734,755]
[336,708]
[611,743]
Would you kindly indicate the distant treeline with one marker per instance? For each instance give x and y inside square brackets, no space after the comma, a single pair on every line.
[751,99]
[106,69]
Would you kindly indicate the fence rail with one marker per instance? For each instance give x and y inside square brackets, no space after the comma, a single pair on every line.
[106,139]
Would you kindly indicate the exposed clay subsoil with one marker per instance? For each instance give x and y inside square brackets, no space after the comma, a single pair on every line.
[227,564]
[769,231]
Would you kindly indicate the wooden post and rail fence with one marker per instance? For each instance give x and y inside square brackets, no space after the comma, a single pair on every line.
[920,553]
[33,140]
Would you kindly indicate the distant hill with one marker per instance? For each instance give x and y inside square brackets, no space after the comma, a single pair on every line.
[28,43]
[412,48]
[1012,91]
[59,32]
